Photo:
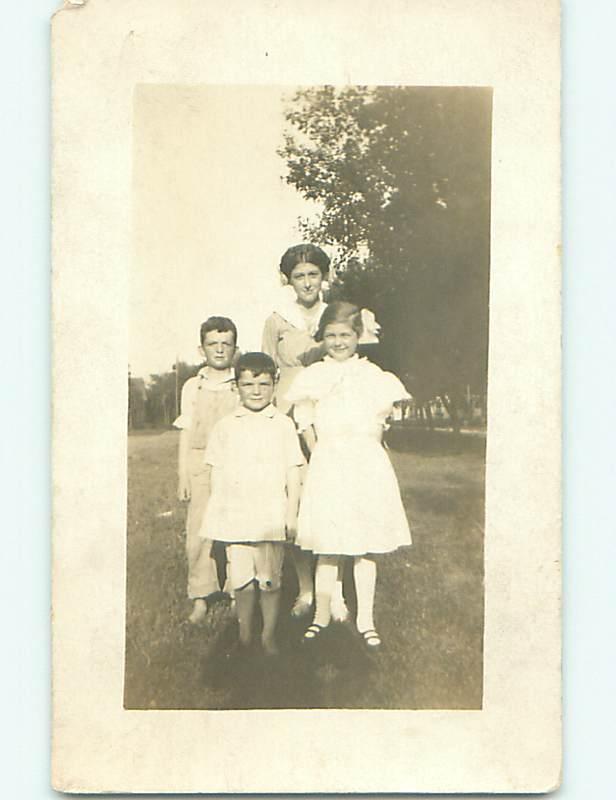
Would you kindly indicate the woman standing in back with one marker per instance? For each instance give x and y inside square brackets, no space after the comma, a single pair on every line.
[288,337]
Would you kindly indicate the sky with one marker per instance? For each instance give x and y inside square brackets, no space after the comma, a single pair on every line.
[211,216]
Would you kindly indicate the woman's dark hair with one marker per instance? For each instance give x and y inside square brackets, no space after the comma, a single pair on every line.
[304,254]
[340,311]
[220,325]
[257,363]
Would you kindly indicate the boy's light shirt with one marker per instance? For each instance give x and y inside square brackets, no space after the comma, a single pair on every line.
[216,377]
[268,411]
[212,379]
[251,453]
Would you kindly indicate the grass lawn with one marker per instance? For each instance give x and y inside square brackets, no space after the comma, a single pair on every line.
[429,604]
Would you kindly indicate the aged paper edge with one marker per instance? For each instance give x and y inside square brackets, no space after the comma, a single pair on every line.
[100,52]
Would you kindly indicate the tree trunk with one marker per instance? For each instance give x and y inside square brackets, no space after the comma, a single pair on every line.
[428,411]
[452,410]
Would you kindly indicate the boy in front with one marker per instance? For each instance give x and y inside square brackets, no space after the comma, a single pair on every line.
[206,398]
[255,461]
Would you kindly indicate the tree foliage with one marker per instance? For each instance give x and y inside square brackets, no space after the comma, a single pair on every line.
[402,178]
[155,403]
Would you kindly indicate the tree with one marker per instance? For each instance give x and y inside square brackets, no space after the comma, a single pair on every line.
[137,398]
[402,176]
[163,391]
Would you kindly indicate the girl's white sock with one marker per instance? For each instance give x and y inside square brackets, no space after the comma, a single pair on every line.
[340,612]
[303,568]
[325,578]
[337,596]
[364,572]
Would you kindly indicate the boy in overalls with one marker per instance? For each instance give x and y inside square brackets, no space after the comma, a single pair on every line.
[206,398]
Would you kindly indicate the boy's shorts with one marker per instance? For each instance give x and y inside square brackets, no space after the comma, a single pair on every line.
[260,561]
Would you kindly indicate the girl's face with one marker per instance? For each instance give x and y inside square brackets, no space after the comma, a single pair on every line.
[306,280]
[340,340]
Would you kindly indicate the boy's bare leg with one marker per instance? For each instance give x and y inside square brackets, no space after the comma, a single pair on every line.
[199,610]
[302,559]
[245,608]
[270,605]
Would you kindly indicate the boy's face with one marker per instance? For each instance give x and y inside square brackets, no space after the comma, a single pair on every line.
[218,348]
[256,391]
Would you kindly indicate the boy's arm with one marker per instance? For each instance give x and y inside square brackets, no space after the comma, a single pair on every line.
[183,422]
[203,533]
[213,456]
[183,475]
[294,486]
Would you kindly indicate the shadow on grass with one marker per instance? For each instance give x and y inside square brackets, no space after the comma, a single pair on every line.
[433,502]
[333,672]
[434,443]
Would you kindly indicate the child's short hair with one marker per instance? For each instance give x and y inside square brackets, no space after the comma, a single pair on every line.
[257,363]
[304,254]
[340,311]
[220,325]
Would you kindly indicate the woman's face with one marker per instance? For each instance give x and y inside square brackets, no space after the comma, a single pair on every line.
[306,280]
[340,340]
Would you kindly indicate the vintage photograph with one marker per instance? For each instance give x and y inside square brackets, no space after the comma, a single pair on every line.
[307,397]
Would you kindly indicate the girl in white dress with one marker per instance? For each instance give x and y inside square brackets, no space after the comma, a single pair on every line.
[351,504]
[288,337]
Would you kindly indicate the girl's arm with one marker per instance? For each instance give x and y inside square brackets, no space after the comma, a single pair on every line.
[309,435]
[293,492]
[303,414]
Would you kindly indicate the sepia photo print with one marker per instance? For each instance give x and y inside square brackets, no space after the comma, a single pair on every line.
[393,185]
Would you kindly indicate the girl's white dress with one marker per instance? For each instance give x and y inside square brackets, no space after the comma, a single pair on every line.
[351,502]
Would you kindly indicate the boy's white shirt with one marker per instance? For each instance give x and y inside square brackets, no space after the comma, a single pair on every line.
[269,412]
[216,380]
